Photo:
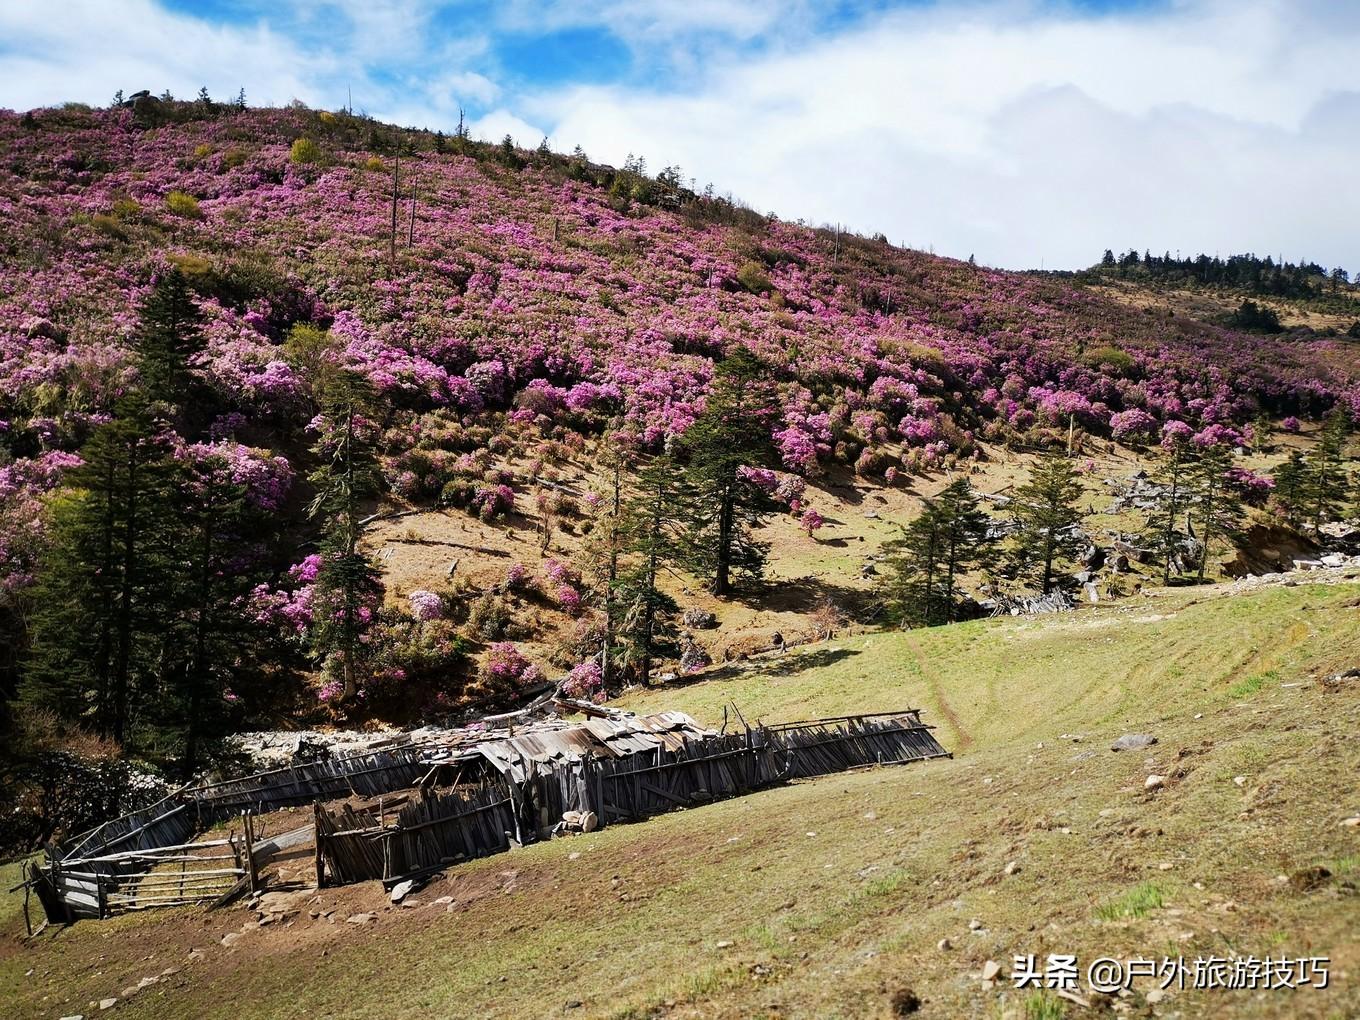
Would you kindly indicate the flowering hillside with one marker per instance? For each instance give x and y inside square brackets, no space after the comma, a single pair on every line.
[505,290]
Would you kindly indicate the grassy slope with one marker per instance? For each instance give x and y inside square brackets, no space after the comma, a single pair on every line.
[834,893]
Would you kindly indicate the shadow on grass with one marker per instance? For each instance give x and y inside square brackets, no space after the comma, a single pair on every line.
[769,664]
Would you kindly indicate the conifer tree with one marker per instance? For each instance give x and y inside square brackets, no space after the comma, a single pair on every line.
[1046,512]
[1290,485]
[1325,483]
[1173,474]
[604,547]
[221,534]
[652,539]
[1217,507]
[167,335]
[348,584]
[950,537]
[732,432]
[103,589]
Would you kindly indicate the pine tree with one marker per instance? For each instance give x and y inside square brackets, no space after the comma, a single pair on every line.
[348,584]
[1290,485]
[213,648]
[1325,482]
[950,537]
[1045,510]
[604,548]
[652,539]
[103,593]
[167,335]
[1173,474]
[1217,507]
[732,432]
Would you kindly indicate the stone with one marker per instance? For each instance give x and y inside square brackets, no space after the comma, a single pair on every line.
[1013,868]
[147,982]
[108,1003]
[944,945]
[975,925]
[230,938]
[1154,782]
[589,822]
[725,944]
[401,890]
[442,900]
[1240,780]
[990,970]
[1133,742]
[361,918]
[1351,822]
[1154,996]
[699,619]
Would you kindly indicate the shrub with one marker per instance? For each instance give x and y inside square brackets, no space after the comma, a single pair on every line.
[181,203]
[1111,360]
[426,605]
[233,158]
[752,277]
[305,151]
[375,164]
[491,618]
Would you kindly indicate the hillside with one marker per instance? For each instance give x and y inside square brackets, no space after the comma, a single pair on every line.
[507,310]
[832,897]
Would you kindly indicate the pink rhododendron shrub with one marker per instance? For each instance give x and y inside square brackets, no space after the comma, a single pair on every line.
[811,520]
[425,605]
[506,666]
[1134,424]
[584,681]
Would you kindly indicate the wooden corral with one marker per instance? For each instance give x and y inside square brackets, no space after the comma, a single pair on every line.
[400,812]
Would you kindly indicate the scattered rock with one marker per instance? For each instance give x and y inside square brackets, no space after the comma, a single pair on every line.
[1154,996]
[944,945]
[699,619]
[1351,822]
[442,900]
[147,982]
[725,944]
[1133,742]
[229,939]
[108,1003]
[573,1004]
[361,918]
[975,925]
[990,970]
[1013,868]
[1154,782]
[1240,780]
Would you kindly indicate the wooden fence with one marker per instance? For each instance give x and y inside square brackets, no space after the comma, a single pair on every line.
[484,818]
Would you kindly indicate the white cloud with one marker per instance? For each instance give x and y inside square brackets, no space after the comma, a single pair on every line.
[1026,137]
[499,123]
[88,50]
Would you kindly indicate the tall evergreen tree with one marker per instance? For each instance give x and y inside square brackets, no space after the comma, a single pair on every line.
[1325,482]
[348,584]
[950,537]
[1173,473]
[222,549]
[1291,483]
[1046,512]
[103,591]
[652,541]
[167,335]
[604,548]
[1217,507]
[732,432]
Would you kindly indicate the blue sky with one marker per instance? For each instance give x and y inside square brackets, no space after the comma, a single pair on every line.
[1021,131]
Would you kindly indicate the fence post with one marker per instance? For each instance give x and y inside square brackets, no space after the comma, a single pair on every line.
[250,850]
[316,830]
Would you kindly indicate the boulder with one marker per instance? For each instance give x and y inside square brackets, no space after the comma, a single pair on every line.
[699,619]
[1133,742]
